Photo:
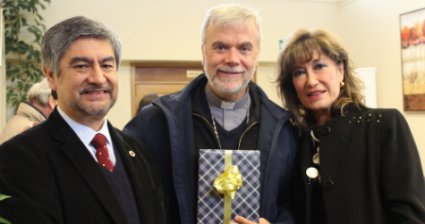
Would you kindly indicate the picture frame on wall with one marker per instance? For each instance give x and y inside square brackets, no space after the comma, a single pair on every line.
[412,43]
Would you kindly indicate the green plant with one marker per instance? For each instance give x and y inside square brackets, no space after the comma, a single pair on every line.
[2,220]
[23,29]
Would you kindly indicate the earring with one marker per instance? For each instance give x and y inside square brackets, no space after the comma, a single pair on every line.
[341,84]
[302,111]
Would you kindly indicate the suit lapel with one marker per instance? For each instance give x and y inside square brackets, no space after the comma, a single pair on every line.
[139,174]
[85,165]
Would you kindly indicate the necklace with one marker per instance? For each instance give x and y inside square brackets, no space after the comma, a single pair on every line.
[215,131]
[316,142]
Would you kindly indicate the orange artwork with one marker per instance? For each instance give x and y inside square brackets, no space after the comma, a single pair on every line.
[412,42]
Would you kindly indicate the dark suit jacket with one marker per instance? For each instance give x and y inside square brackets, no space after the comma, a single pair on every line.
[52,178]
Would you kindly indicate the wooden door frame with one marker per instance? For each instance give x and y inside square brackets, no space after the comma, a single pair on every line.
[192,67]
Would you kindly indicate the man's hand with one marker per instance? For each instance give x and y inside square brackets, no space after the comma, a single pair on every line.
[241,220]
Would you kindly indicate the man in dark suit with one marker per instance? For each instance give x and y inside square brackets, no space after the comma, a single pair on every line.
[56,172]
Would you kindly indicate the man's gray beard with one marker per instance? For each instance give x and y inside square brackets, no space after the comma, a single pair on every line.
[222,90]
[92,111]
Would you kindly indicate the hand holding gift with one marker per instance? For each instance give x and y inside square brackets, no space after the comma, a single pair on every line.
[241,220]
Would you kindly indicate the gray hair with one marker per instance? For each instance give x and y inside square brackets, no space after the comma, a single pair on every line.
[39,92]
[230,15]
[58,38]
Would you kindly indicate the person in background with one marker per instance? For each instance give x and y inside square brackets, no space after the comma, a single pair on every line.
[35,110]
[146,100]
[221,109]
[356,164]
[76,167]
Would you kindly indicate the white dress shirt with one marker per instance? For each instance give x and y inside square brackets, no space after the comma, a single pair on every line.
[86,135]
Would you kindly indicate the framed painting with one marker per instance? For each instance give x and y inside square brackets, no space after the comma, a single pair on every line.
[412,42]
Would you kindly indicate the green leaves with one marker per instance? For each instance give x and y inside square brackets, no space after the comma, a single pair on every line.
[2,197]
[2,220]
[23,30]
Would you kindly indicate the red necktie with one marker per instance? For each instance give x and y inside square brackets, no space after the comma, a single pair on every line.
[102,155]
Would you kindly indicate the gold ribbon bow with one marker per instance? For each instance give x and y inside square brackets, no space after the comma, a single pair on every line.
[228,182]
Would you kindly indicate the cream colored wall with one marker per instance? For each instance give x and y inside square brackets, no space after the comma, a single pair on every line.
[371,30]
[168,30]
[120,113]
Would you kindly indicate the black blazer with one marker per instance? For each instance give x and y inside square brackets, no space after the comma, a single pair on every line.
[52,178]
[370,170]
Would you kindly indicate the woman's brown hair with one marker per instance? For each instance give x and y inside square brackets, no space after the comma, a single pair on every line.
[298,51]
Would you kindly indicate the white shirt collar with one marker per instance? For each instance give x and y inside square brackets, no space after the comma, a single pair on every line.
[86,134]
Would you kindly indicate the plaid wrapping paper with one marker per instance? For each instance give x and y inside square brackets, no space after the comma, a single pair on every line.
[247,200]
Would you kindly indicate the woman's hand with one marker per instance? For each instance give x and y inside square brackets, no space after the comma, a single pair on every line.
[241,220]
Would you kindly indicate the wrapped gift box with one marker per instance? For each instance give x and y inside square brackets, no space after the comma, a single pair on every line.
[211,204]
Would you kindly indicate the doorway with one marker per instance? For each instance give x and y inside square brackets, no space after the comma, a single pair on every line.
[161,78]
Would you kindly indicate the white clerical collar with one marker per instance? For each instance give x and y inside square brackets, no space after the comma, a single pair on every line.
[214,100]
[228,115]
